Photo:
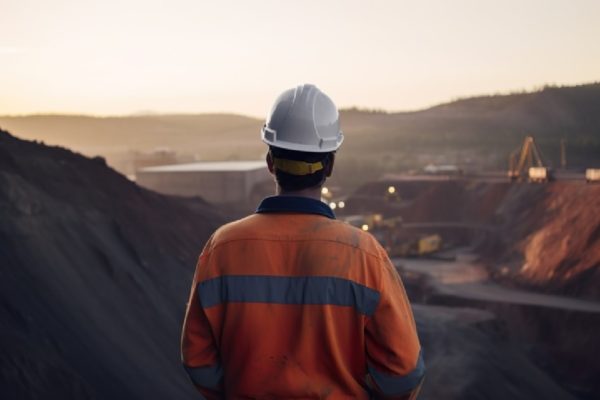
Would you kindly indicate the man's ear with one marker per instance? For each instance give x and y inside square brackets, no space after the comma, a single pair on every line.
[269,159]
[329,170]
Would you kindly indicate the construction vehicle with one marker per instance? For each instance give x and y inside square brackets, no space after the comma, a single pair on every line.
[538,174]
[429,244]
[400,244]
[415,247]
[396,242]
[526,162]
[592,175]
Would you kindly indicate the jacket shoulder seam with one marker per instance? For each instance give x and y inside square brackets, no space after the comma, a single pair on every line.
[366,251]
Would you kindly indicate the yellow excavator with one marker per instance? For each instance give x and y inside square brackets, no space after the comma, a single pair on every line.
[390,234]
[399,245]
[529,164]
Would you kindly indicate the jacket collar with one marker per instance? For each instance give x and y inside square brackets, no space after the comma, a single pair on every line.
[294,204]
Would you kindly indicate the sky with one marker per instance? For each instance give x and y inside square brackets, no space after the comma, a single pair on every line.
[118,57]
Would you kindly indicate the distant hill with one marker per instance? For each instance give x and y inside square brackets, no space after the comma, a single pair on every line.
[476,132]
[100,135]
[549,114]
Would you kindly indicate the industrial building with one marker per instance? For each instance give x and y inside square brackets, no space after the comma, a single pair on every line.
[229,183]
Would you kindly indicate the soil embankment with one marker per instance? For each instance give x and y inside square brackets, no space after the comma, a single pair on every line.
[556,240]
[94,277]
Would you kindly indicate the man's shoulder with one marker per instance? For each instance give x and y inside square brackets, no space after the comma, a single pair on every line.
[296,227]
[349,235]
[234,229]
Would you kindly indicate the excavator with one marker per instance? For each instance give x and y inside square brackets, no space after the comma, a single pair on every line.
[529,164]
[396,242]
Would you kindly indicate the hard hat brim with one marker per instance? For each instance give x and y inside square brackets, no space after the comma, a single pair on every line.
[269,136]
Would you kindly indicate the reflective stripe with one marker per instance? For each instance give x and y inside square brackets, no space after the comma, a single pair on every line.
[207,377]
[394,385]
[318,290]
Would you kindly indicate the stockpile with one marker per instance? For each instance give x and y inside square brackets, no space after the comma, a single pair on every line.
[561,251]
[94,277]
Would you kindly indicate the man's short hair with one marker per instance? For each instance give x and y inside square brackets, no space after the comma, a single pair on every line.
[289,182]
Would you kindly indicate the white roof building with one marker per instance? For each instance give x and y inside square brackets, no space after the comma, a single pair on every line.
[219,182]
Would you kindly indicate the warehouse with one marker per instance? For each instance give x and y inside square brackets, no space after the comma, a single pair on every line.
[230,183]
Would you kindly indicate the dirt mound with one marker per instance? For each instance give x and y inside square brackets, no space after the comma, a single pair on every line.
[561,250]
[95,274]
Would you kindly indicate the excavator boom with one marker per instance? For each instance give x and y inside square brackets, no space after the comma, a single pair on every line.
[529,157]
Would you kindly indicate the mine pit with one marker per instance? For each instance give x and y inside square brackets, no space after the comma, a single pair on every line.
[498,286]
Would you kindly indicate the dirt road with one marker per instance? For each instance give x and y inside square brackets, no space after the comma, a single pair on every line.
[465,278]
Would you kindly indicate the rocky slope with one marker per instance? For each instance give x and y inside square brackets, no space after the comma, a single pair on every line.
[94,277]
[551,238]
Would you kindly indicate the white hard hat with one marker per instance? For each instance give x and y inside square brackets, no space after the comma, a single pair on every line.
[303,119]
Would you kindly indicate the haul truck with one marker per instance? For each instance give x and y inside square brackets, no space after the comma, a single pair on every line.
[538,174]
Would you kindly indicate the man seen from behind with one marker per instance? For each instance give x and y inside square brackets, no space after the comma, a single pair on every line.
[290,303]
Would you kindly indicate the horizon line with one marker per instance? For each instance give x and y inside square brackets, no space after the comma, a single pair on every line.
[366,109]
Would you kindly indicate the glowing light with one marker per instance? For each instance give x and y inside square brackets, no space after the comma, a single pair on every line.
[391,190]
[341,204]
[365,227]
[324,190]
[332,205]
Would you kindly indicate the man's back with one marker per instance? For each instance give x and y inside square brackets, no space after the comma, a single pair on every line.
[298,305]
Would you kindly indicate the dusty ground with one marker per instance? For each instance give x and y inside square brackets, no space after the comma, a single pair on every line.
[468,357]
[468,278]
[554,334]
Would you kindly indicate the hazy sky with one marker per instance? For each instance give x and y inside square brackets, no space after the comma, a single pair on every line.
[124,56]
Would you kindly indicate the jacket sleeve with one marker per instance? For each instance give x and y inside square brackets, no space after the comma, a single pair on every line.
[394,360]
[199,351]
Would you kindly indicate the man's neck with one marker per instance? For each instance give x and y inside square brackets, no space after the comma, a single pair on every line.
[313,193]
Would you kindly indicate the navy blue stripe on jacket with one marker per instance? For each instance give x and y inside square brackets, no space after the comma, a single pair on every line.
[323,290]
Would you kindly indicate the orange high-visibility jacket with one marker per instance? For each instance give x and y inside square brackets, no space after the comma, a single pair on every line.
[292,303]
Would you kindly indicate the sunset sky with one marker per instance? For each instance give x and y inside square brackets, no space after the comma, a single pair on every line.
[121,56]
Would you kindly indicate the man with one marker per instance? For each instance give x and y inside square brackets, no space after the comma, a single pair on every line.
[291,303]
